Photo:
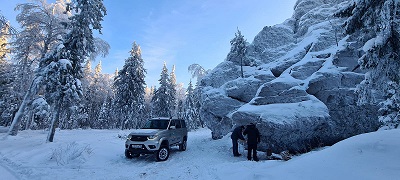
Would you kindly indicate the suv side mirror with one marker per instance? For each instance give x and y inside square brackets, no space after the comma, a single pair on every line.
[172,127]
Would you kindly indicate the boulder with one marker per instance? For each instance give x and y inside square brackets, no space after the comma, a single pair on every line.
[296,127]
[215,105]
[337,92]
[285,63]
[225,71]
[242,89]
[280,92]
[306,70]
[271,43]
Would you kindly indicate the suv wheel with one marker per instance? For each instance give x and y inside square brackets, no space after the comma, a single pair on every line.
[162,154]
[182,147]
[128,154]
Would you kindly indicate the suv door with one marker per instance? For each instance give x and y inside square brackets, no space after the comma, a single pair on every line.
[179,136]
[180,130]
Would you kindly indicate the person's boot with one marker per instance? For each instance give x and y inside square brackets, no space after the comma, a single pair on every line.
[256,159]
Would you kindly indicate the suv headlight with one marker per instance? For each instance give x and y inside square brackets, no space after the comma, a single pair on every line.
[152,137]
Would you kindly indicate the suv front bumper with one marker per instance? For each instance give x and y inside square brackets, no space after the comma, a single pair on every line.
[145,147]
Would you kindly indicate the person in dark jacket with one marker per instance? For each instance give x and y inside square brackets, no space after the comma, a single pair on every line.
[236,135]
[253,138]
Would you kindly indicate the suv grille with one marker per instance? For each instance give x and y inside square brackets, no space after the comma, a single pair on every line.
[139,138]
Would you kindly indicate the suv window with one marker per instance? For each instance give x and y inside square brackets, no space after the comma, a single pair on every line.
[178,124]
[172,123]
[156,124]
[183,123]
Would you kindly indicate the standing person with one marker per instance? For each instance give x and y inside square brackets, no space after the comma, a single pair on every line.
[253,138]
[236,135]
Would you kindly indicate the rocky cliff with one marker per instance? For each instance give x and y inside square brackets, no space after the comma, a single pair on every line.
[299,84]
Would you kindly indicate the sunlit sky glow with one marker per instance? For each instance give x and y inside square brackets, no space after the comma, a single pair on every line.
[178,32]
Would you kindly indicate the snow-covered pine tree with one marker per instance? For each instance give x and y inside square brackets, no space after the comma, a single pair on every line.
[173,87]
[191,112]
[149,93]
[162,100]
[4,22]
[197,72]
[238,50]
[376,24]
[61,70]
[108,95]
[180,99]
[40,111]
[64,66]
[99,94]
[87,82]
[102,119]
[4,38]
[180,113]
[7,76]
[129,88]
[41,23]
[41,27]
[94,93]
[8,97]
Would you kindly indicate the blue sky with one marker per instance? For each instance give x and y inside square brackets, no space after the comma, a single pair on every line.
[178,32]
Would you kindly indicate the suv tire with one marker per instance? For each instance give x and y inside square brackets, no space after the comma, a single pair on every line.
[162,154]
[182,147]
[128,154]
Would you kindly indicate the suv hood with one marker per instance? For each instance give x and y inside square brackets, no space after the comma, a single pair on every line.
[145,131]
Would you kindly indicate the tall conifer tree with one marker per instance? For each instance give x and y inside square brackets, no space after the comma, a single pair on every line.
[162,100]
[129,102]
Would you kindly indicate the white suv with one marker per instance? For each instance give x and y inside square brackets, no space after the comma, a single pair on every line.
[156,137]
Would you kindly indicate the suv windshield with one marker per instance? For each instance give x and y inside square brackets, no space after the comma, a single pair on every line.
[156,124]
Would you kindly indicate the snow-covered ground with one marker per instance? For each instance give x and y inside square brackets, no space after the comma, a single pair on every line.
[99,154]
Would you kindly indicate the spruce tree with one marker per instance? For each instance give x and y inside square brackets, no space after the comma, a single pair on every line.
[191,115]
[238,50]
[173,88]
[8,97]
[162,100]
[376,25]
[129,88]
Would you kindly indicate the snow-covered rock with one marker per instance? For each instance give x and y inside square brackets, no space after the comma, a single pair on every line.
[226,71]
[300,88]
[291,126]
[280,92]
[215,104]
[242,89]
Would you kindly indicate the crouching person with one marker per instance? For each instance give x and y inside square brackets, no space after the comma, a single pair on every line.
[253,138]
[236,135]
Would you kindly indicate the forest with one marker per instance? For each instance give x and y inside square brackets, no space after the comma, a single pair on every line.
[47,79]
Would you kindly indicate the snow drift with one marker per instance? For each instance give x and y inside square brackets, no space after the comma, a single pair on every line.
[99,154]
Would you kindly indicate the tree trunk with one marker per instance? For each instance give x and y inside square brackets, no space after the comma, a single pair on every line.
[241,66]
[29,121]
[13,131]
[54,122]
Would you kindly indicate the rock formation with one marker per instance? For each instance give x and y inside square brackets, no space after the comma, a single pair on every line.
[299,84]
